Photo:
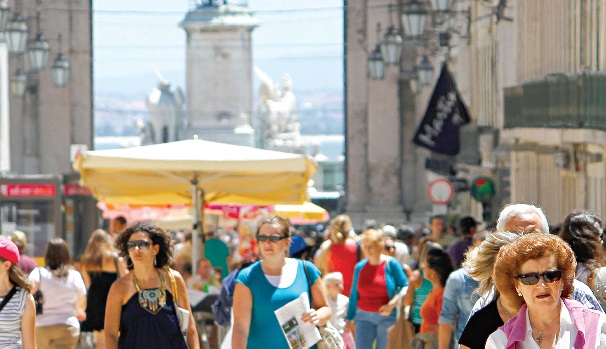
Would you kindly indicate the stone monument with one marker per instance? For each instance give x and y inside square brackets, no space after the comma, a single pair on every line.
[219,72]
[278,128]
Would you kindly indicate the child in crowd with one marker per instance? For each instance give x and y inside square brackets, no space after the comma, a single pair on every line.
[333,282]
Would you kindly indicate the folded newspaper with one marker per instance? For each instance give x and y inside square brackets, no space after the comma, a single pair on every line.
[299,334]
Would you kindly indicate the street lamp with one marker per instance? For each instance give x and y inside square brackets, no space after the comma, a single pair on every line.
[425,70]
[16,34]
[4,10]
[38,49]
[60,68]
[414,17]
[19,82]
[376,65]
[441,5]
[391,46]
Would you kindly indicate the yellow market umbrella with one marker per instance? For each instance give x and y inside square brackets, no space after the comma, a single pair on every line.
[306,213]
[194,172]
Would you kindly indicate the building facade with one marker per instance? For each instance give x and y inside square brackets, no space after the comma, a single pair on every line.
[531,75]
[42,129]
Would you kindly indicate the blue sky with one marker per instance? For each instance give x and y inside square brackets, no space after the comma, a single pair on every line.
[303,38]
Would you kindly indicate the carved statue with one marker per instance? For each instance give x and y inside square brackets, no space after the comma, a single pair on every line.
[277,110]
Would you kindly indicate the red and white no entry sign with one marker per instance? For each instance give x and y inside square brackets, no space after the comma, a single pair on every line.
[440,191]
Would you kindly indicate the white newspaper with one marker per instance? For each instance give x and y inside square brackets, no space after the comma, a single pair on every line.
[299,334]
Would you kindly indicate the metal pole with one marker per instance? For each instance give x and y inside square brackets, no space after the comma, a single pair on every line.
[196,226]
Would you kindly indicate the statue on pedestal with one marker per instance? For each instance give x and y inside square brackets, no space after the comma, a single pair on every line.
[277,111]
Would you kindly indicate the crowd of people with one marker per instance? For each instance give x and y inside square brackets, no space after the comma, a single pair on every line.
[518,283]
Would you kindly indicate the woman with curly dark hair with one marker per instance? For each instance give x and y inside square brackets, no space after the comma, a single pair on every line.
[583,232]
[141,311]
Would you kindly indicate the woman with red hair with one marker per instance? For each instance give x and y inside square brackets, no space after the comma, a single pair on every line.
[538,270]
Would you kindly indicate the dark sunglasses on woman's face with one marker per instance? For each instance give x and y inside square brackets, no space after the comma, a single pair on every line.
[389,248]
[143,245]
[272,238]
[532,278]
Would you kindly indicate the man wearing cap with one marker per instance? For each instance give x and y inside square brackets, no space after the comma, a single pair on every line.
[456,251]
[26,263]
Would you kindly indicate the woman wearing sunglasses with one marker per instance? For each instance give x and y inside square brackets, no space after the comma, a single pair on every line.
[539,270]
[141,311]
[271,283]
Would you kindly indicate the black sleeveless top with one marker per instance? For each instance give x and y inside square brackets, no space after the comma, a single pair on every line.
[100,283]
[142,329]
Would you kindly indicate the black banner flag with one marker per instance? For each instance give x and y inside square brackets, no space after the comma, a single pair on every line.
[439,129]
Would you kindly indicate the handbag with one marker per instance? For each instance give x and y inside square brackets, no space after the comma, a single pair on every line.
[331,338]
[600,286]
[399,336]
[39,296]
[182,313]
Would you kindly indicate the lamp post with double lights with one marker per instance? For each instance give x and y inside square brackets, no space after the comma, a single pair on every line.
[28,60]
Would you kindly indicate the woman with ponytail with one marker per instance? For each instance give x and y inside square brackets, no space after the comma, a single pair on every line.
[17,308]
[342,253]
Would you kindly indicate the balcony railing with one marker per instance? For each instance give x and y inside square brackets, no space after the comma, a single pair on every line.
[558,101]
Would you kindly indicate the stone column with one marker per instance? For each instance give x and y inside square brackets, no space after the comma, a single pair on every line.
[356,113]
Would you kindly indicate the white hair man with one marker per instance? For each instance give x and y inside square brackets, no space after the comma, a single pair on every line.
[531,219]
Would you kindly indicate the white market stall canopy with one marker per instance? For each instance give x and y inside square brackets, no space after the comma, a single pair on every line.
[166,173]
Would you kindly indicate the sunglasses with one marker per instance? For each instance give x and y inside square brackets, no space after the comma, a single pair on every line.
[389,248]
[143,245]
[272,238]
[532,278]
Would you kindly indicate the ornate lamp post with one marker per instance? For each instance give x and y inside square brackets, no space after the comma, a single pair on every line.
[4,10]
[441,5]
[414,18]
[38,49]
[425,70]
[16,34]
[60,68]
[376,65]
[391,46]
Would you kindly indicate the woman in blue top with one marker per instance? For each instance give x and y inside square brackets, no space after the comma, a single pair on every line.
[378,283]
[269,284]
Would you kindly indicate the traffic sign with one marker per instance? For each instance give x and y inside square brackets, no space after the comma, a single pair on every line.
[440,191]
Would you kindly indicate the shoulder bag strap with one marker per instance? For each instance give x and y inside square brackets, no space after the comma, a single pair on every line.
[116,265]
[308,285]
[8,297]
[173,284]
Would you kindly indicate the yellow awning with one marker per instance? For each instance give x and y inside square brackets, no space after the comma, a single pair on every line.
[306,213]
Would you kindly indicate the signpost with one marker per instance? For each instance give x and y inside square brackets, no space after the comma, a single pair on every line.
[440,191]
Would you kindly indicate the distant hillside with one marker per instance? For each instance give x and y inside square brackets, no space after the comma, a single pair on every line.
[306,75]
